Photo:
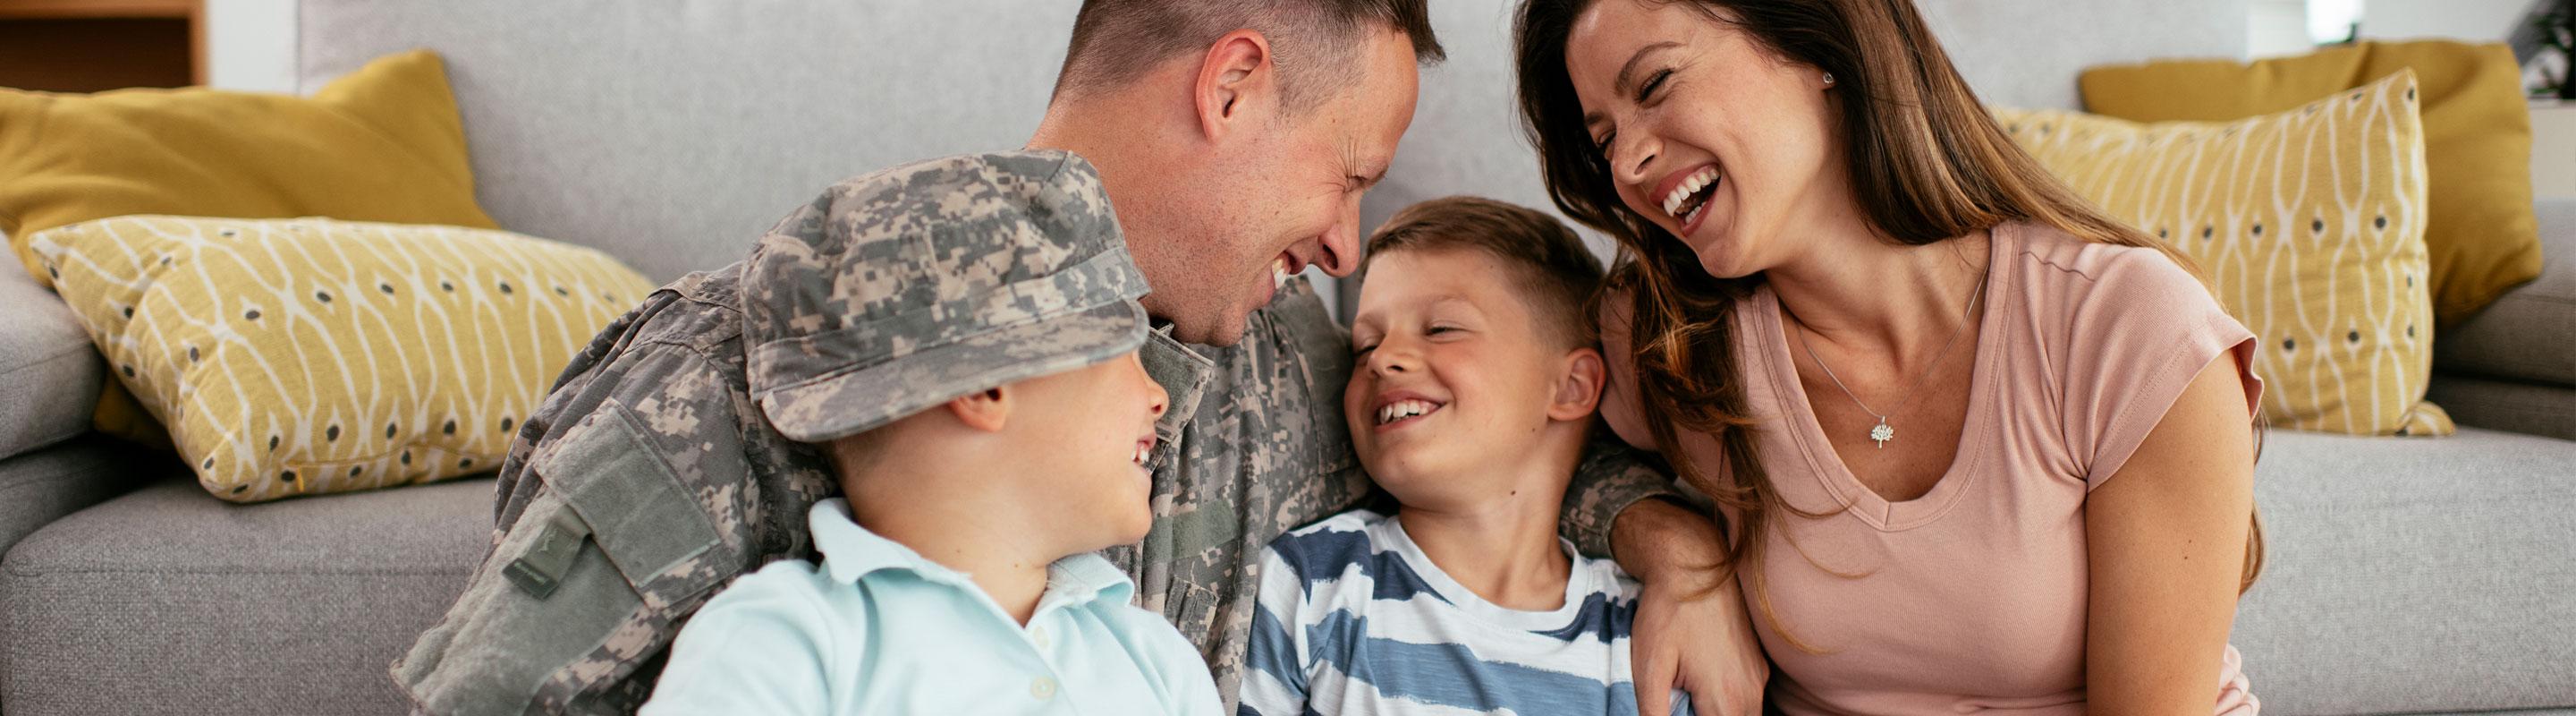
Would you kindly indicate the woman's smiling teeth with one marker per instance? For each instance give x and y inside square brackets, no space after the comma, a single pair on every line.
[1685,201]
[1402,409]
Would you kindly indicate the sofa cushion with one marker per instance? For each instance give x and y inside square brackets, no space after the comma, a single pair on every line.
[43,485]
[171,601]
[2510,406]
[2412,575]
[2529,332]
[49,374]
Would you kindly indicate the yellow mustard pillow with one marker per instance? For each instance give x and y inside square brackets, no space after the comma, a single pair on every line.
[2310,223]
[2480,229]
[303,356]
[383,143]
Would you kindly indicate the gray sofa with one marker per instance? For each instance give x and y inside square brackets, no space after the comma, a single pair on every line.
[2406,575]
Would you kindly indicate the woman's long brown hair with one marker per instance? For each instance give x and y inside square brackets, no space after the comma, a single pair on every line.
[1926,159]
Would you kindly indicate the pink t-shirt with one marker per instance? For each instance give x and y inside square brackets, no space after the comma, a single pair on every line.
[1974,594]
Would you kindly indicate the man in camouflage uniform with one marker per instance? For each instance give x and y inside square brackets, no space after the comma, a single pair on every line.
[651,475]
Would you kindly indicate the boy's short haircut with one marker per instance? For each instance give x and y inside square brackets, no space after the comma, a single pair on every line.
[1558,274]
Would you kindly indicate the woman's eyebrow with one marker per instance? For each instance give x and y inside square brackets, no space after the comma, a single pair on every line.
[1627,77]
[1628,72]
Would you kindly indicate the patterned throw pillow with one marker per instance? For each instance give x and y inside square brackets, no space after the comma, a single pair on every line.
[2480,232]
[303,356]
[2310,222]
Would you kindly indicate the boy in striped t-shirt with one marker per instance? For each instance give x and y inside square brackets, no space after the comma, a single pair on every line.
[1472,392]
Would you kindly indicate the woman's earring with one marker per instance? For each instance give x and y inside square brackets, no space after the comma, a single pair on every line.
[1829,79]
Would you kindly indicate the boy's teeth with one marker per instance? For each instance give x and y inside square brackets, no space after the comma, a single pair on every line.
[1278,273]
[1402,409]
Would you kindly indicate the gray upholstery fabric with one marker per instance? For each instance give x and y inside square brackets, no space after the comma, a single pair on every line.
[671,137]
[168,600]
[2511,406]
[49,374]
[2413,574]
[41,486]
[2528,334]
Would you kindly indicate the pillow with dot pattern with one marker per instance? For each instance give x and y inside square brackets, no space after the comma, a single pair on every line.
[306,356]
[2309,222]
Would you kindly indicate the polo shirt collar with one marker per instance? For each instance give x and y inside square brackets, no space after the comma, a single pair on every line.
[851,553]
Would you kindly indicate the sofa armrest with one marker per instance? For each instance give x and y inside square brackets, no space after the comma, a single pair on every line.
[45,484]
[2529,334]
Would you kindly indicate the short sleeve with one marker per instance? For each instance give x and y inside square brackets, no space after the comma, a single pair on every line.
[757,647]
[1274,674]
[2138,330]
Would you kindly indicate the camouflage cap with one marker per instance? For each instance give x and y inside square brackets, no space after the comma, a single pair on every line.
[902,289]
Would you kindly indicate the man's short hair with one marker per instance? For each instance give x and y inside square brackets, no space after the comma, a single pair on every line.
[1555,272]
[1314,43]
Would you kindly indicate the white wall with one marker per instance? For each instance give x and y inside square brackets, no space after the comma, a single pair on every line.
[2481,20]
[250,45]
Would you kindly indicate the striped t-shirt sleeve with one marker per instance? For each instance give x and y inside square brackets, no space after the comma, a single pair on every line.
[1274,678]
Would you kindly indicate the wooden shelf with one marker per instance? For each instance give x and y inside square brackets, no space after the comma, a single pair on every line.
[97,9]
[96,45]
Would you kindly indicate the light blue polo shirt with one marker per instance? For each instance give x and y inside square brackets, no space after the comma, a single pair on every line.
[877,629]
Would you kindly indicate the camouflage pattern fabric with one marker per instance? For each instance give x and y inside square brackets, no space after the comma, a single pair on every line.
[650,477]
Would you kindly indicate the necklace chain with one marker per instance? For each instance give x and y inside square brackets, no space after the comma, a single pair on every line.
[1881,433]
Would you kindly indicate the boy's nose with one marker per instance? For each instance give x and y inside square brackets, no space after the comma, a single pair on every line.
[1387,360]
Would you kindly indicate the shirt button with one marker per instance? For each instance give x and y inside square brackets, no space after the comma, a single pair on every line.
[1039,635]
[1043,688]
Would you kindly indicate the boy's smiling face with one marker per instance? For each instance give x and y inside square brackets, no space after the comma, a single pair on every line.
[1454,374]
[1095,426]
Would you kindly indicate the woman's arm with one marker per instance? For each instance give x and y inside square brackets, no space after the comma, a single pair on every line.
[2166,550]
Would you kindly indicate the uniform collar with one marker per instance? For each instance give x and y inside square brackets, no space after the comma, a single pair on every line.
[1184,375]
[851,553]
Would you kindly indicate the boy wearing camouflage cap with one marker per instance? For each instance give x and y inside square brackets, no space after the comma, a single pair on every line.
[960,336]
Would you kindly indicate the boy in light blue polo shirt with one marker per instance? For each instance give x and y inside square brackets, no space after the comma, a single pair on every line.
[960,337]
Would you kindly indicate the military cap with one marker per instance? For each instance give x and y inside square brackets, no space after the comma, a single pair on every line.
[903,289]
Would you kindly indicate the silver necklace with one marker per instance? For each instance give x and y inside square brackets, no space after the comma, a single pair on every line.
[1882,432]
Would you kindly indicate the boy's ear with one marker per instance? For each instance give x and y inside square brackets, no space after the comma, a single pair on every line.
[1236,79]
[1578,385]
[987,410]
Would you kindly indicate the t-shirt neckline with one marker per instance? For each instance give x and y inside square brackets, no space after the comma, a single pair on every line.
[1797,416]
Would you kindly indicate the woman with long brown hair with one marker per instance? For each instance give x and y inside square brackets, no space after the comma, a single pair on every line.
[1974,445]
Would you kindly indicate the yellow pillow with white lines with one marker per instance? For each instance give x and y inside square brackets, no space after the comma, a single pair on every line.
[2311,224]
[303,356]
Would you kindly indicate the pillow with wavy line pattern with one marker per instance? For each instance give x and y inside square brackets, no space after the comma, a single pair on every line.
[2311,224]
[306,356]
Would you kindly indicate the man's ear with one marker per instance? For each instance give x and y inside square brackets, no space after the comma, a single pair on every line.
[987,411]
[1236,80]
[1578,385]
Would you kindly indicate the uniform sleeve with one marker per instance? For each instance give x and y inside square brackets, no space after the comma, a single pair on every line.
[759,647]
[1274,678]
[2141,331]
[1608,480]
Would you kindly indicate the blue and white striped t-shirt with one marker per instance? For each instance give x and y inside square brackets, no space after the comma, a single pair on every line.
[1354,619]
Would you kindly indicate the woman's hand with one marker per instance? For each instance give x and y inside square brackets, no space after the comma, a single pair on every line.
[1691,631]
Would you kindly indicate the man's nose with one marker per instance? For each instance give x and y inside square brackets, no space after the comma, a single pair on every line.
[1342,243]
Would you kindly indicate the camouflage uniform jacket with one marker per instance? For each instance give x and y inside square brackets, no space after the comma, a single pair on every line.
[649,479]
